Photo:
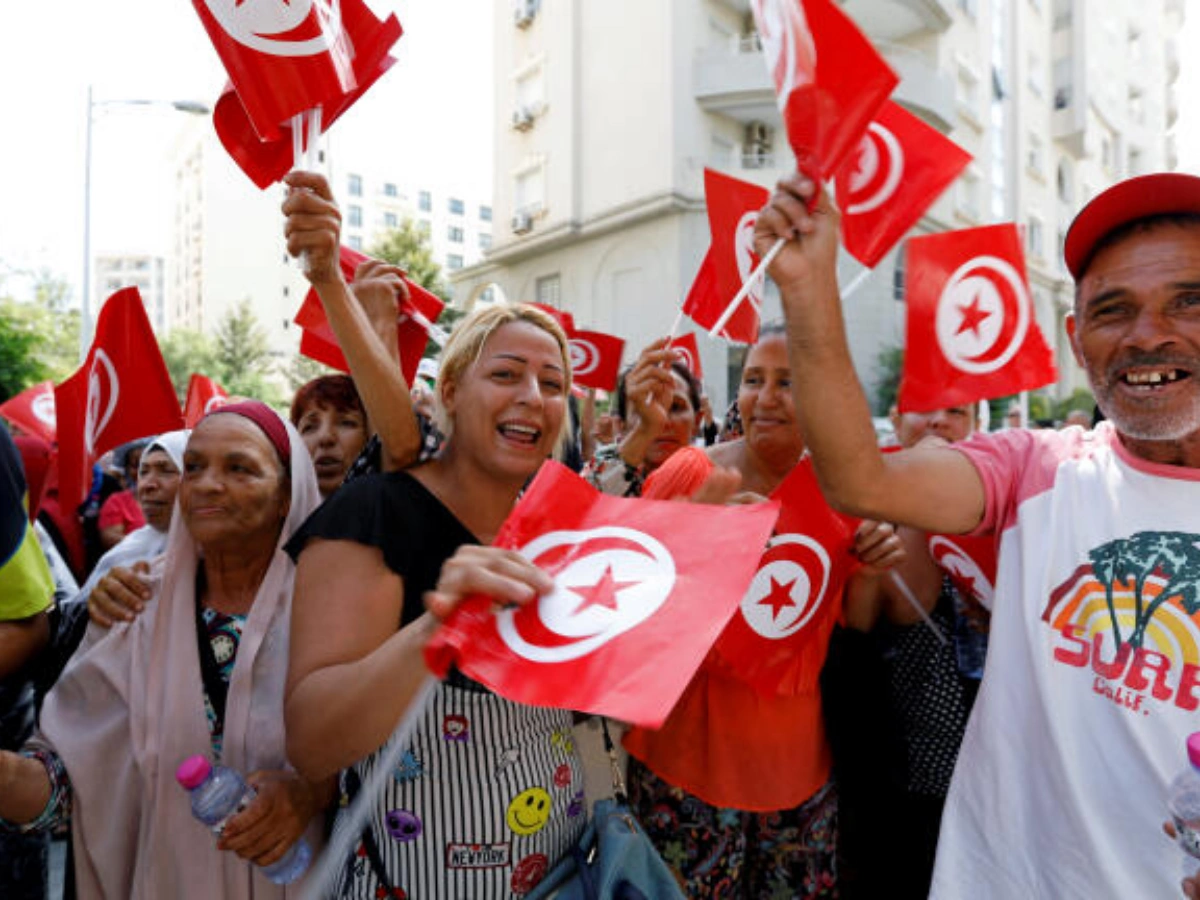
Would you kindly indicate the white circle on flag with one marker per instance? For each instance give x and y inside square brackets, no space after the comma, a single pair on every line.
[685,356]
[962,569]
[788,587]
[583,355]
[263,25]
[104,389]
[880,161]
[44,409]
[216,401]
[780,22]
[982,315]
[598,594]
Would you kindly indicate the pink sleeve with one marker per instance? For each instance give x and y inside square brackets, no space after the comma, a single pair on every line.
[1016,464]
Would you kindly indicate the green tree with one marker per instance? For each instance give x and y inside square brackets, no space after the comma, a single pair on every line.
[243,355]
[1080,398]
[301,370]
[186,351]
[20,363]
[408,247]
[888,364]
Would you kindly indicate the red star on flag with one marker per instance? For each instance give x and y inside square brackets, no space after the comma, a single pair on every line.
[778,597]
[602,593]
[972,316]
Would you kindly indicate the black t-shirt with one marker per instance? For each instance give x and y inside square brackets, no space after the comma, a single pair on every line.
[397,514]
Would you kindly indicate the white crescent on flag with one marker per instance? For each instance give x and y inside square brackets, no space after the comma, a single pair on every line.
[880,166]
[607,581]
[983,315]
[265,25]
[788,588]
[104,389]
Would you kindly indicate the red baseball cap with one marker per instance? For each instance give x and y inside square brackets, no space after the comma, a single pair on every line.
[1160,194]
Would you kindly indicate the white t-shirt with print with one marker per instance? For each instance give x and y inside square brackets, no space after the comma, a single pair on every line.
[1060,789]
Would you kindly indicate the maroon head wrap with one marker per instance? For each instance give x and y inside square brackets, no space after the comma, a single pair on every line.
[268,422]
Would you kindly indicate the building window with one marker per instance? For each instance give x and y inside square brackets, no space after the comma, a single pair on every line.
[1036,80]
[454,234]
[968,200]
[1066,190]
[968,7]
[1033,237]
[455,206]
[355,242]
[1034,155]
[354,185]
[529,191]
[967,91]
[390,220]
[898,276]
[389,190]
[485,214]
[548,290]
[454,262]
[424,201]
[354,216]
[485,242]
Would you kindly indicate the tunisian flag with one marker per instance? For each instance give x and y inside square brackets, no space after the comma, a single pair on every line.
[640,595]
[121,392]
[319,342]
[595,359]
[32,411]
[777,640]
[829,80]
[688,351]
[203,396]
[267,155]
[899,168]
[733,207]
[969,561]
[971,332]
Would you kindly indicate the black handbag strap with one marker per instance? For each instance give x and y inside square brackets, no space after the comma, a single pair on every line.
[215,686]
[614,765]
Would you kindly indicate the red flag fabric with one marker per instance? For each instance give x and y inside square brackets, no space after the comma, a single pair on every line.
[203,396]
[318,341]
[969,561]
[971,332]
[776,641]
[829,80]
[121,392]
[32,411]
[639,598]
[595,359]
[267,157]
[688,351]
[899,168]
[733,207]
[565,320]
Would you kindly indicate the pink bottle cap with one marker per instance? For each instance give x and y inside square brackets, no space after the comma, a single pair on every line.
[193,770]
[1193,749]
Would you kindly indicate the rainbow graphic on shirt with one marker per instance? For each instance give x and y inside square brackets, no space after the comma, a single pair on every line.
[1129,614]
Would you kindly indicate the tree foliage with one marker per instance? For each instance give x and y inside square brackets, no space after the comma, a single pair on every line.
[408,247]
[39,338]
[186,351]
[244,362]
[888,364]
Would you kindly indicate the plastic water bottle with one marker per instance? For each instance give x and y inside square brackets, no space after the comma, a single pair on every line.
[218,794]
[1183,802]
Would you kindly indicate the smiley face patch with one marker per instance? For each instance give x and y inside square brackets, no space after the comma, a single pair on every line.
[528,812]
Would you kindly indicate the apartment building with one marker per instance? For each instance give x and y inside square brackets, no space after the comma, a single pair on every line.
[147,273]
[608,113]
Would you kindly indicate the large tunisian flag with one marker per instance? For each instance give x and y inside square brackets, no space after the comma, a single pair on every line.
[971,331]
[733,207]
[899,168]
[32,411]
[319,342]
[639,597]
[777,639]
[284,59]
[121,392]
[829,80]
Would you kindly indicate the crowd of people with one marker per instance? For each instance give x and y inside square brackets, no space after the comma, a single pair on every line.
[259,590]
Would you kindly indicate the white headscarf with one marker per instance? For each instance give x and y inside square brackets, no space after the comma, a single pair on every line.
[146,542]
[130,708]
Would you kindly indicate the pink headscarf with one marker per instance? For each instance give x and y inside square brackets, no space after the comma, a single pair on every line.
[130,707]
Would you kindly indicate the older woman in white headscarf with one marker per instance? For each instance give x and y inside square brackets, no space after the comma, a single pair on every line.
[136,702]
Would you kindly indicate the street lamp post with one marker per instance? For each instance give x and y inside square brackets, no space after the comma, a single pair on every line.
[191,107]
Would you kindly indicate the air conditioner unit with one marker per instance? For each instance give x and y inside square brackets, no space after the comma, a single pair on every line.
[522,118]
[523,12]
[522,223]
[758,134]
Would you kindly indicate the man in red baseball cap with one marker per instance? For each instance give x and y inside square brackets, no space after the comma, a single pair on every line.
[1092,681]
